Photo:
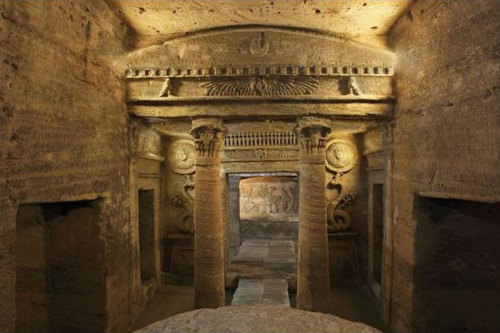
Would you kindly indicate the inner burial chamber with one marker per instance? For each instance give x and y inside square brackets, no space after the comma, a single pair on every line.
[269,198]
[268,207]
[60,273]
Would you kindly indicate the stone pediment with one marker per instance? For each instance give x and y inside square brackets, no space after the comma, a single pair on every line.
[257,64]
[259,45]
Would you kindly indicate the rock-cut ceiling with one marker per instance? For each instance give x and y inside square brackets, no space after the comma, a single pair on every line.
[366,21]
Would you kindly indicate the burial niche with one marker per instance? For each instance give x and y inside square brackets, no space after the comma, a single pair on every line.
[457,268]
[147,234]
[60,275]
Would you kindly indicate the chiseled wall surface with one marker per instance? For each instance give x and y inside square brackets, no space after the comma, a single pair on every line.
[446,135]
[64,130]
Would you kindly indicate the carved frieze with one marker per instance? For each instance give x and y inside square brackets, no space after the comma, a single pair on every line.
[252,70]
[260,154]
[261,86]
[300,83]
[260,146]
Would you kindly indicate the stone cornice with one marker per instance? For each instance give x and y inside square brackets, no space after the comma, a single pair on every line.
[261,70]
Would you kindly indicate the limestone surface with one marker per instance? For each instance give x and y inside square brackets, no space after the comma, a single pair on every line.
[255,318]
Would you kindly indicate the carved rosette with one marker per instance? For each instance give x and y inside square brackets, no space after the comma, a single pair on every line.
[208,135]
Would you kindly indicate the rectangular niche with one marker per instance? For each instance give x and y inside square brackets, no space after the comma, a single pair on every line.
[269,198]
[147,234]
[457,266]
[60,274]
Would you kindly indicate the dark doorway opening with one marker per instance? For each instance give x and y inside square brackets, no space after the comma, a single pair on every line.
[147,234]
[60,275]
[457,268]
[378,232]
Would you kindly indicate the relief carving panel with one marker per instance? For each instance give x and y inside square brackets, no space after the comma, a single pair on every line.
[261,86]
[269,199]
[341,156]
[181,156]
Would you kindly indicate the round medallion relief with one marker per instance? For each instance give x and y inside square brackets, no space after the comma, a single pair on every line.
[341,155]
[181,156]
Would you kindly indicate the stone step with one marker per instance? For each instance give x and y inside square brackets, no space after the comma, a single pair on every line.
[266,251]
[254,251]
[261,291]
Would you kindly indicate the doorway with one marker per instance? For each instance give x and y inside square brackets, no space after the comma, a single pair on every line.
[263,213]
[60,274]
[377,236]
[147,234]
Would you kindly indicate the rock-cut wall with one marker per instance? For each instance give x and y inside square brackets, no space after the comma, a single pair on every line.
[64,134]
[447,123]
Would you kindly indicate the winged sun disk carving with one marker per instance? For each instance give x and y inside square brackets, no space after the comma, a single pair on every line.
[261,86]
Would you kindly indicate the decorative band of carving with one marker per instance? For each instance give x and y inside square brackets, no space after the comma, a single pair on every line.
[261,86]
[312,159]
[261,139]
[312,70]
[260,154]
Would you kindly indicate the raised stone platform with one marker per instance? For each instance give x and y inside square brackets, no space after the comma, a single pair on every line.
[265,259]
[256,318]
[261,291]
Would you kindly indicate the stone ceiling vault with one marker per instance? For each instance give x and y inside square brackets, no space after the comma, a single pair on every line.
[366,21]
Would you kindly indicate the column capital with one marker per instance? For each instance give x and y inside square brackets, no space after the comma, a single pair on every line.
[312,133]
[208,135]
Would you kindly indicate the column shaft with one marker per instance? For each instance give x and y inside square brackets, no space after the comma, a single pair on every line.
[209,256]
[313,277]
[208,238]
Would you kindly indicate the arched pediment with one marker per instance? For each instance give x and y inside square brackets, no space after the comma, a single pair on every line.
[259,45]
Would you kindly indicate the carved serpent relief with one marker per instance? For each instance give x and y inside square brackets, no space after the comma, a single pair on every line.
[261,86]
[184,200]
[338,218]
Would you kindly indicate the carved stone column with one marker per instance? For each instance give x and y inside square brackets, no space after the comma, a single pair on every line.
[208,135]
[313,279]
